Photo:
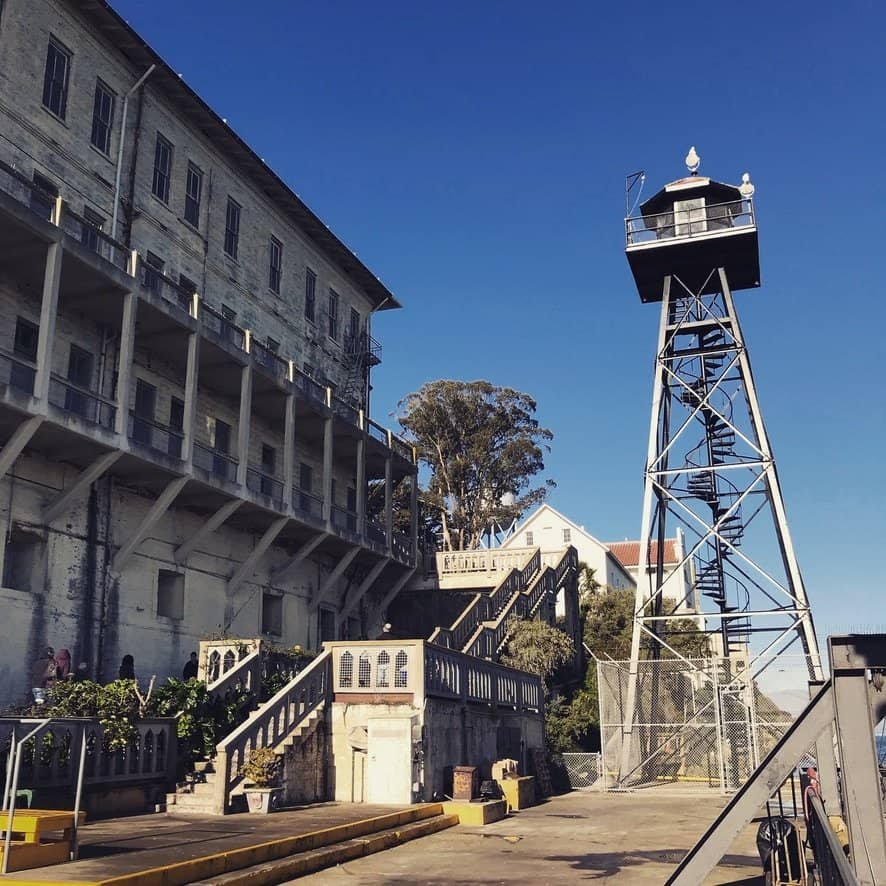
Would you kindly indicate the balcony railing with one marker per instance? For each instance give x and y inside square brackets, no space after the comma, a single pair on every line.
[263,483]
[154,280]
[362,348]
[17,372]
[376,534]
[219,464]
[345,411]
[310,389]
[271,361]
[225,329]
[155,436]
[689,222]
[95,240]
[377,432]
[401,547]
[344,520]
[307,504]
[80,401]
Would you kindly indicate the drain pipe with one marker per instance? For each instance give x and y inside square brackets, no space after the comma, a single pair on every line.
[126,98]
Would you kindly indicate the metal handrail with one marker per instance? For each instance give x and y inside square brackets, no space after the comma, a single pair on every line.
[833,867]
[686,223]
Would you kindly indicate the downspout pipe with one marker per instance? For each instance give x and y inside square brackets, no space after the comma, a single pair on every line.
[121,140]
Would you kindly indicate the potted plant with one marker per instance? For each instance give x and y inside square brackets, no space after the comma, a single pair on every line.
[262,771]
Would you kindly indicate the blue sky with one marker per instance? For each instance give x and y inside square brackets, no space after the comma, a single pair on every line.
[474,154]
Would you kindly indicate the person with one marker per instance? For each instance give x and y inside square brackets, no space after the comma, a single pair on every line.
[127,668]
[43,675]
[386,632]
[189,671]
[63,664]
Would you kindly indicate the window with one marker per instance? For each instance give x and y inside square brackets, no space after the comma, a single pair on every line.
[221,443]
[20,559]
[43,196]
[310,292]
[170,594]
[272,345]
[352,337]
[193,192]
[80,370]
[153,271]
[232,227]
[529,540]
[162,168]
[143,412]
[567,536]
[92,224]
[272,614]
[176,427]
[275,271]
[325,625]
[25,347]
[269,469]
[332,314]
[55,78]
[102,117]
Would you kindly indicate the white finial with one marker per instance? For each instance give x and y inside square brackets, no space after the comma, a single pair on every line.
[746,189]
[692,161]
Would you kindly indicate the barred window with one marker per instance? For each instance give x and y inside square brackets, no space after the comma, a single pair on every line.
[364,671]
[346,670]
[401,670]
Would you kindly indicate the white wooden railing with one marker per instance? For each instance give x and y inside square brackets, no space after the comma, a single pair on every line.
[479,568]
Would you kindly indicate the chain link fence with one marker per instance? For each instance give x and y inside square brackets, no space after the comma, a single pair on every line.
[584,770]
[707,722]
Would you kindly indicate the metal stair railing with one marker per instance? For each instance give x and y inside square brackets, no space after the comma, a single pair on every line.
[271,724]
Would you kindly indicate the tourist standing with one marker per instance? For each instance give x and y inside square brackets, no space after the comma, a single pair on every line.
[127,668]
[189,671]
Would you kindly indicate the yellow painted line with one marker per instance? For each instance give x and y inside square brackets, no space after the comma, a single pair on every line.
[182,872]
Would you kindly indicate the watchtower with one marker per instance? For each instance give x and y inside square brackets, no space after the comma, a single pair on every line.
[710,469]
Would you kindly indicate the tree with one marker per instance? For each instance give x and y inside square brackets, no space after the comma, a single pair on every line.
[483,447]
[537,647]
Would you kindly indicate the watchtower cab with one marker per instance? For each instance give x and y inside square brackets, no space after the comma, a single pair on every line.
[691,227]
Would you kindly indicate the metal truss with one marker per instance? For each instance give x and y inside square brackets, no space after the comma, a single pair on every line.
[710,471]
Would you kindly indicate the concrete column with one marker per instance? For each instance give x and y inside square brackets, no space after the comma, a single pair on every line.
[124,362]
[289,451]
[389,502]
[191,382]
[361,485]
[327,469]
[48,312]
[243,423]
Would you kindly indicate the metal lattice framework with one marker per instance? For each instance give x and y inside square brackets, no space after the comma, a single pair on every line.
[710,471]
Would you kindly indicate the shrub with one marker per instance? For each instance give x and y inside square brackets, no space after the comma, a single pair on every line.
[263,768]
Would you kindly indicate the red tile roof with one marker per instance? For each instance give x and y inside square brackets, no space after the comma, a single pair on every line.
[628,552]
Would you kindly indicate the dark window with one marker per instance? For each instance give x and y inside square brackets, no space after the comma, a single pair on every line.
[332,314]
[187,288]
[102,117]
[43,195]
[268,468]
[221,443]
[170,594]
[24,346]
[354,331]
[232,227]
[352,509]
[55,78]
[92,224]
[153,267]
[326,625]
[272,614]
[275,271]
[310,293]
[20,558]
[143,411]
[193,193]
[176,427]
[162,168]
[80,367]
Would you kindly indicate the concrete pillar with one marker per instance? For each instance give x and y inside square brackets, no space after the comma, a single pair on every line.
[191,382]
[48,312]
[124,362]
[327,469]
[289,451]
[361,485]
[243,423]
[389,502]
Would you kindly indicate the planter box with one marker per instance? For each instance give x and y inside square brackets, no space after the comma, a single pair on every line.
[263,800]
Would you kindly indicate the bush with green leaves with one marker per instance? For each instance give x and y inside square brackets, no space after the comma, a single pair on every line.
[116,705]
[263,768]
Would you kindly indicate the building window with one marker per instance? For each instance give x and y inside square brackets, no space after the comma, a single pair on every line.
[352,336]
[170,594]
[153,269]
[310,293]
[20,559]
[176,427]
[92,224]
[162,168]
[325,625]
[567,536]
[55,78]
[21,376]
[332,314]
[193,193]
[102,117]
[232,227]
[272,345]
[272,614]
[268,484]
[529,539]
[221,443]
[275,269]
[43,196]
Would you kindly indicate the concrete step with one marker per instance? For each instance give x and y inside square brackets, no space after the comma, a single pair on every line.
[204,766]
[310,861]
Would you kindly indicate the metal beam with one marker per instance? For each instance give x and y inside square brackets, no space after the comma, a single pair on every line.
[747,802]
[248,565]
[183,551]
[826,760]
[334,576]
[63,500]
[20,438]
[304,551]
[349,605]
[154,515]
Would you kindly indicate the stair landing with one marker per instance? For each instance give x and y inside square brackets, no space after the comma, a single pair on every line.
[167,850]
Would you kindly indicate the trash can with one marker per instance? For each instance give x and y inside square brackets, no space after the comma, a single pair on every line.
[778,842]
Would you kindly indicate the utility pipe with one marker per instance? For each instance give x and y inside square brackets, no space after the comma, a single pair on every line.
[126,98]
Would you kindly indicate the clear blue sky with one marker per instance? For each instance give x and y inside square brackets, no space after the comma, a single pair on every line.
[474,154]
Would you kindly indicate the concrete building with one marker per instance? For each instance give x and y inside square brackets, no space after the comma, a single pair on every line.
[548,529]
[185,357]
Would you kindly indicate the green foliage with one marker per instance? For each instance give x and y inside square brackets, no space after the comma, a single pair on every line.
[481,443]
[262,768]
[587,581]
[116,705]
[537,647]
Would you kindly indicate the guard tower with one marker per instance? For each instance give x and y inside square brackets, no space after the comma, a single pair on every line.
[710,472]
